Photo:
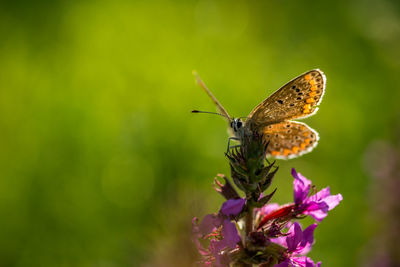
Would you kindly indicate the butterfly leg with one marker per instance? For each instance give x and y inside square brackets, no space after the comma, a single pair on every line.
[229,142]
[235,146]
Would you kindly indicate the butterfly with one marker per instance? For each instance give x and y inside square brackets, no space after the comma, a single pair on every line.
[272,118]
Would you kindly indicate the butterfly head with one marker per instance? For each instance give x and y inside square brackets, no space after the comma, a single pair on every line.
[236,124]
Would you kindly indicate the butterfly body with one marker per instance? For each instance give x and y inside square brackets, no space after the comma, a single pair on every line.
[272,118]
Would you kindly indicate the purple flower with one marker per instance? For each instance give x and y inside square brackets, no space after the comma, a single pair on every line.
[223,237]
[221,232]
[316,205]
[298,244]
[218,248]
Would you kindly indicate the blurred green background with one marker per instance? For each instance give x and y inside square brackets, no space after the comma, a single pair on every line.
[102,163]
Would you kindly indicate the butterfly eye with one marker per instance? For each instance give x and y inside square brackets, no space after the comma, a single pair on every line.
[239,124]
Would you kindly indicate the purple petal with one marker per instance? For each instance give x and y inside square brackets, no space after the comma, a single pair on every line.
[325,196]
[318,215]
[317,210]
[301,187]
[308,240]
[309,262]
[280,241]
[215,246]
[230,234]
[308,233]
[285,263]
[233,206]
[303,261]
[294,238]
[333,201]
[320,195]
[222,260]
[320,210]
[209,223]
[319,204]
[312,206]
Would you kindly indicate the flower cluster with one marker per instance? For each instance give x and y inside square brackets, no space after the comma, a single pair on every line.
[251,231]
[221,232]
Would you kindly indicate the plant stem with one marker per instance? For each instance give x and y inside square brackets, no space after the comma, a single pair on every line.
[248,228]
[249,221]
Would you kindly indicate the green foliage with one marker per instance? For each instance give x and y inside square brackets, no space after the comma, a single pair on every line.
[102,163]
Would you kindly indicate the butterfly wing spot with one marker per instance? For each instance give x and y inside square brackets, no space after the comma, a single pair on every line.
[306,108]
[275,153]
[280,101]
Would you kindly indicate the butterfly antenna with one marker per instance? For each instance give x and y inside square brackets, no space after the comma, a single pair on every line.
[214,99]
[215,113]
